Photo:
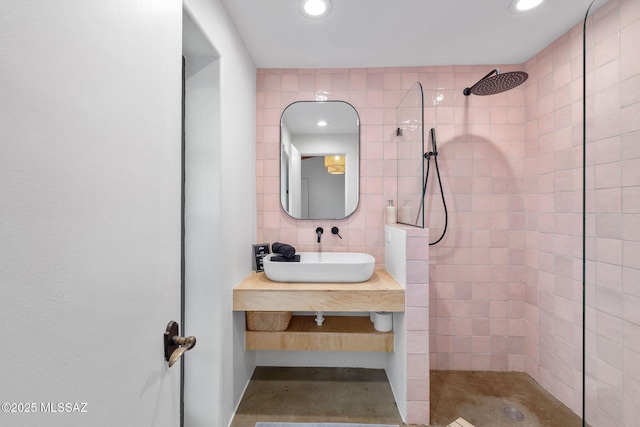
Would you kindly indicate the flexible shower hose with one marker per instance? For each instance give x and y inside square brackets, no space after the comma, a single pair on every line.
[428,156]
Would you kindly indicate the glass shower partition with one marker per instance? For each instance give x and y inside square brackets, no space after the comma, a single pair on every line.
[410,134]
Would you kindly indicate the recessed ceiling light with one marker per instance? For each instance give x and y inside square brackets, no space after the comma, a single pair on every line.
[315,9]
[322,123]
[519,6]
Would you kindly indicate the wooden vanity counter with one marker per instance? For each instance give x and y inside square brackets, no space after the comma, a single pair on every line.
[258,293]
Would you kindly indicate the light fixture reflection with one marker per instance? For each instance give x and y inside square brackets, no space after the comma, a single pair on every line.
[335,164]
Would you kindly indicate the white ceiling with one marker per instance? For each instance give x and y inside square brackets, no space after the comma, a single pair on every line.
[391,33]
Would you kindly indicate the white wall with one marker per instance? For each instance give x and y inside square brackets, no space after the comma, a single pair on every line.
[298,204]
[202,233]
[89,209]
[395,256]
[216,380]
[325,191]
[285,167]
[311,145]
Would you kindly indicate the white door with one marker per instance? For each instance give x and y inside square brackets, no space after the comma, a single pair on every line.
[90,158]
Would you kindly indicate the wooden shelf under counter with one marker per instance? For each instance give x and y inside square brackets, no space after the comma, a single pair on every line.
[380,293]
[338,333]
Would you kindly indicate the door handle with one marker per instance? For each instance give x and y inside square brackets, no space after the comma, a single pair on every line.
[174,344]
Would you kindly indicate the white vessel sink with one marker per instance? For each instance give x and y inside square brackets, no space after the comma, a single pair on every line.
[322,267]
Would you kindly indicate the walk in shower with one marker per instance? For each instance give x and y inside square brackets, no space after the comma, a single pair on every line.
[539,271]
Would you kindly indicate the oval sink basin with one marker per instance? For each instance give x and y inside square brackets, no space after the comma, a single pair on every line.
[322,267]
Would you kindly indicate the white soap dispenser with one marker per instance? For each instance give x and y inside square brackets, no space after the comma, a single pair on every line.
[392,216]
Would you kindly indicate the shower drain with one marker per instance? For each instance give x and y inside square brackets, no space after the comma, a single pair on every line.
[513,413]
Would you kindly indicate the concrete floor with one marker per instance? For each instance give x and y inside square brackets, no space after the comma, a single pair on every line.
[329,395]
[479,397]
[350,395]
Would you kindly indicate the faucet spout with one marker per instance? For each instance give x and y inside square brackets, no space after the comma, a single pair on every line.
[319,232]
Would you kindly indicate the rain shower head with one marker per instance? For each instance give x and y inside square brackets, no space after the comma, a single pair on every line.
[490,85]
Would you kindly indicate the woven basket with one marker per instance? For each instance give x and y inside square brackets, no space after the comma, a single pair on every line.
[268,320]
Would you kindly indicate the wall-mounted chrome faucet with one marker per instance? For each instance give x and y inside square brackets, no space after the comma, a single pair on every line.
[319,232]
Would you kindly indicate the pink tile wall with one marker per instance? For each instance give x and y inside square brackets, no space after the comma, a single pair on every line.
[553,216]
[613,221]
[417,326]
[374,93]
[477,308]
[477,271]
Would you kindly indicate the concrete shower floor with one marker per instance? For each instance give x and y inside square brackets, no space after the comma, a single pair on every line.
[479,397]
[351,395]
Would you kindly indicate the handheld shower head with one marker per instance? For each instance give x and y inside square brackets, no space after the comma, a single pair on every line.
[434,146]
[433,141]
[490,85]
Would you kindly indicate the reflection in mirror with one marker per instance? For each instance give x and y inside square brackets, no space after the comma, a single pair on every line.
[319,159]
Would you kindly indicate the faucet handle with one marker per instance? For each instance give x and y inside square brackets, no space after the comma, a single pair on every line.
[336,231]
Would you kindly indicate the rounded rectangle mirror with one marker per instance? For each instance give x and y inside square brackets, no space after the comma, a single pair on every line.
[319,159]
